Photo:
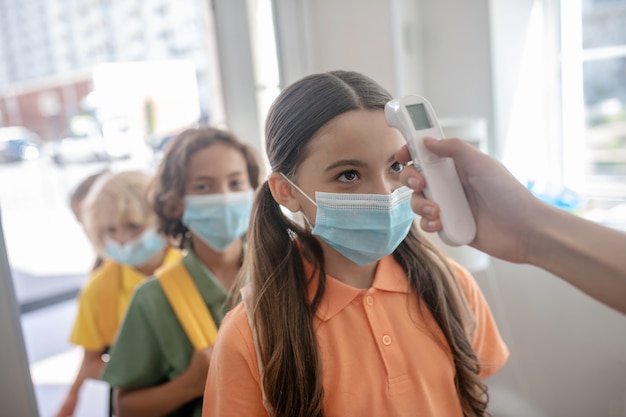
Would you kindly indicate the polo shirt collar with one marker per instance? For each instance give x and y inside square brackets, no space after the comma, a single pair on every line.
[389,277]
[210,288]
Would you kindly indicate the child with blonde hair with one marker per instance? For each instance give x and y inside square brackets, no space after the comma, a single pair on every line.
[122,227]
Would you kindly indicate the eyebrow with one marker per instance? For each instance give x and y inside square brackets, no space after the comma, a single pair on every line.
[345,162]
[353,162]
[202,178]
[209,178]
[236,173]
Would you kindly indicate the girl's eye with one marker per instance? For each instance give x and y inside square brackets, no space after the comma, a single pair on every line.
[236,185]
[201,187]
[133,226]
[348,176]
[396,168]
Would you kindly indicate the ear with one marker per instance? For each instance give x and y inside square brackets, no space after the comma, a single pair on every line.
[283,192]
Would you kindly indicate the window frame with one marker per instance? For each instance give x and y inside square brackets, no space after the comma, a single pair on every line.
[576,153]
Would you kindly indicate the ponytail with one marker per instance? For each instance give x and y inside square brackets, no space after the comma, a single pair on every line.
[283,315]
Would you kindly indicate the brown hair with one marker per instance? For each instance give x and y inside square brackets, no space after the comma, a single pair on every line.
[169,186]
[283,315]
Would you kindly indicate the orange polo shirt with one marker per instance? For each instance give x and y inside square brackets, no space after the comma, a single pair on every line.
[380,357]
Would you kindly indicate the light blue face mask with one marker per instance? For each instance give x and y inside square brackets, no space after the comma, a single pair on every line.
[362,227]
[138,251]
[218,219]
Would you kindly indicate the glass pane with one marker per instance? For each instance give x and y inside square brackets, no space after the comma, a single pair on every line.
[86,85]
[605,108]
[604,23]
[605,88]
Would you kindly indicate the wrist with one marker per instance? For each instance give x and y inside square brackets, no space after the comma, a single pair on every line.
[188,386]
[537,232]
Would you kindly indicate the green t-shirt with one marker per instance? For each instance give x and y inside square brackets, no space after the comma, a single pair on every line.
[151,347]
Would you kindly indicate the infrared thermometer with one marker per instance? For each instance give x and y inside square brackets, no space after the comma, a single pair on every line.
[415,118]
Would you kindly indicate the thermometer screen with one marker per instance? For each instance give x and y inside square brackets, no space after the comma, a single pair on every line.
[419,116]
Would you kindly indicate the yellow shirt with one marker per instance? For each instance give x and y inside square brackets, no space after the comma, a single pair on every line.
[89,327]
[380,357]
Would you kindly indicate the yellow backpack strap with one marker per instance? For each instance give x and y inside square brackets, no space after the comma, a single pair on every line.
[188,305]
[108,298]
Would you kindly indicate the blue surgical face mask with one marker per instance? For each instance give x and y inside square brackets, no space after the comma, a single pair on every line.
[138,251]
[362,227]
[218,219]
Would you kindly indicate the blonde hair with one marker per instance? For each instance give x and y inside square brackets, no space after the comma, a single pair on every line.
[78,196]
[124,193]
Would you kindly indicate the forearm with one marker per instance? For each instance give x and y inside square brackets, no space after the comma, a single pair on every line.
[90,368]
[79,380]
[154,401]
[589,256]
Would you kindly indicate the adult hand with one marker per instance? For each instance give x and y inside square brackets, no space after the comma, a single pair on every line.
[504,210]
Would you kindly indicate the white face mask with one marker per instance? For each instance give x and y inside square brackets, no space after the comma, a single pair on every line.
[362,227]
[218,219]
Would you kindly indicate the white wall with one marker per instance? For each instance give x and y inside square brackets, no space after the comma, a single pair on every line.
[438,49]
[464,56]
[457,58]
[568,351]
[408,46]
[347,35]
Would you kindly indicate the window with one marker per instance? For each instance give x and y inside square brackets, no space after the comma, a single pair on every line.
[593,69]
[37,204]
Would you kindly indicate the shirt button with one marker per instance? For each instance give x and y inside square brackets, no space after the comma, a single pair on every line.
[386,340]
[369,300]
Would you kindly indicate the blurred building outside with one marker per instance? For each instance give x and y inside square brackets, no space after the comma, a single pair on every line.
[53,54]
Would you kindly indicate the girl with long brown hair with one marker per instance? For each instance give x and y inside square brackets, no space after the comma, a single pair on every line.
[352,311]
[202,196]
